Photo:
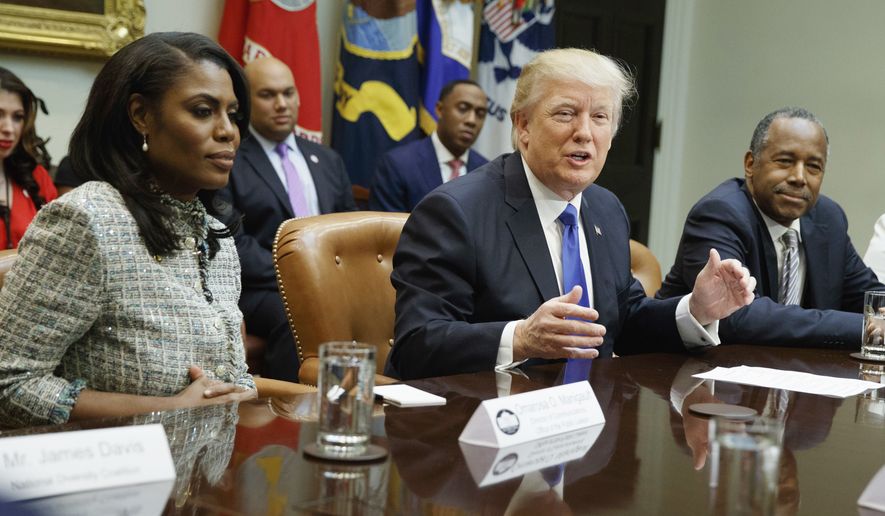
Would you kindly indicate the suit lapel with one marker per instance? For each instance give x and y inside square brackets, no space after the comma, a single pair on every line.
[593,234]
[769,282]
[317,166]
[525,228]
[474,161]
[256,157]
[428,166]
[817,262]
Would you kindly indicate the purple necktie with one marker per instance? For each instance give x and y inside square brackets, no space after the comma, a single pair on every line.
[293,183]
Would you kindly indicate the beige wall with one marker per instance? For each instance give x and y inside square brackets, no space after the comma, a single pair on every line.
[747,58]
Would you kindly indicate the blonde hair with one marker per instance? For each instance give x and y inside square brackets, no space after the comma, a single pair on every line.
[571,64]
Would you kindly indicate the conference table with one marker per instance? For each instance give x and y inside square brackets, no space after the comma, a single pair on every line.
[648,459]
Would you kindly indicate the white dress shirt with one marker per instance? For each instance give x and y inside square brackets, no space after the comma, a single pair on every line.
[776,230]
[875,256]
[297,159]
[444,156]
[550,206]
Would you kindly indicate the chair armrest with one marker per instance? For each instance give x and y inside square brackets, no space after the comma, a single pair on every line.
[309,373]
[270,388]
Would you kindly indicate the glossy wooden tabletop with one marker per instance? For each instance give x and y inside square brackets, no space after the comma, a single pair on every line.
[648,459]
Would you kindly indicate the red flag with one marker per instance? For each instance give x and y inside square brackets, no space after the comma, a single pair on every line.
[287,30]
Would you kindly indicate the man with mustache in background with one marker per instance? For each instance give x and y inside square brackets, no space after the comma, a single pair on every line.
[810,280]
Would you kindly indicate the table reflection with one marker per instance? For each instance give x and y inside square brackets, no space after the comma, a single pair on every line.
[650,457]
[870,406]
[807,418]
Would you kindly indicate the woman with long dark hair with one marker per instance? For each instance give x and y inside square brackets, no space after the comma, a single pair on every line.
[124,296]
[25,186]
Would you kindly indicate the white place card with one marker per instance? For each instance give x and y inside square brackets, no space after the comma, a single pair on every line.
[145,499]
[492,465]
[873,497]
[36,466]
[525,417]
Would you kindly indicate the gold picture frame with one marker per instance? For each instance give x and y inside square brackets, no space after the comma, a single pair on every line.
[95,28]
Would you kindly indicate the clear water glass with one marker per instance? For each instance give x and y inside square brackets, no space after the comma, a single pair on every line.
[345,385]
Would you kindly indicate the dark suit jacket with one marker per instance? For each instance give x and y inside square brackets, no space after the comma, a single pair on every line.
[473,257]
[405,174]
[256,194]
[835,276]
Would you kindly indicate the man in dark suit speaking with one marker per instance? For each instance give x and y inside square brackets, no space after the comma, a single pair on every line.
[405,174]
[276,176]
[526,258]
[793,240]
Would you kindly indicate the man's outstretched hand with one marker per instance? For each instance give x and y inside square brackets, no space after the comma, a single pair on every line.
[721,287]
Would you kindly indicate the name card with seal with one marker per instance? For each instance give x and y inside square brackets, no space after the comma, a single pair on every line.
[525,417]
[36,466]
[492,465]
[138,499]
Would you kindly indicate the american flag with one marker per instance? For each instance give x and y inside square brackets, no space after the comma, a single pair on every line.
[505,21]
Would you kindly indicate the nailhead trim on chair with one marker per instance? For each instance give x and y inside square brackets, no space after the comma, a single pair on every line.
[282,290]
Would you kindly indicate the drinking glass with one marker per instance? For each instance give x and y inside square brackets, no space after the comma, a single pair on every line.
[345,385]
[745,457]
[873,343]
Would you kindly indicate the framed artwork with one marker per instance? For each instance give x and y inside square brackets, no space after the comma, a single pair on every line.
[95,28]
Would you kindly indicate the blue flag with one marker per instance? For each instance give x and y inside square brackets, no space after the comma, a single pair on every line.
[376,89]
[445,36]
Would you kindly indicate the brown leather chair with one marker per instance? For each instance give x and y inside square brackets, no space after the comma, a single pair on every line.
[334,277]
[360,196]
[7,258]
[645,268]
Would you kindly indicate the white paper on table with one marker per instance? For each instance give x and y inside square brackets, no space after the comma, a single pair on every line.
[403,395]
[790,381]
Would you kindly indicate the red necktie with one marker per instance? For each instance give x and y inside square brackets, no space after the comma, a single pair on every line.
[455,165]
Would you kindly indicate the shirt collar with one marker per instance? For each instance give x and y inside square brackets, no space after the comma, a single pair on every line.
[270,146]
[443,154]
[550,206]
[776,229]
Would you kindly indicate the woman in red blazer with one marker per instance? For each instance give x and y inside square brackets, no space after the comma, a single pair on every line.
[25,186]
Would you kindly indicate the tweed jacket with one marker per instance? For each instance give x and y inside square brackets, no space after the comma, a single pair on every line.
[87,306]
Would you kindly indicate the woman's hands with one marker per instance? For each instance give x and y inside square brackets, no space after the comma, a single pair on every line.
[206,391]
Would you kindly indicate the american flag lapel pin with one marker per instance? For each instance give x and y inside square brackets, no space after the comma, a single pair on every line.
[598,231]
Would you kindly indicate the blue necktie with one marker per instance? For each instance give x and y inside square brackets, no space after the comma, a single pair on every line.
[576,370]
[572,269]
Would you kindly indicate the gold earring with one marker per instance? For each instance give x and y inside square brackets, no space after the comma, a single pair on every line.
[144,146]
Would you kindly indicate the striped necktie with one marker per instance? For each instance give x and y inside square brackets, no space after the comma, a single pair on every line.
[789,287]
